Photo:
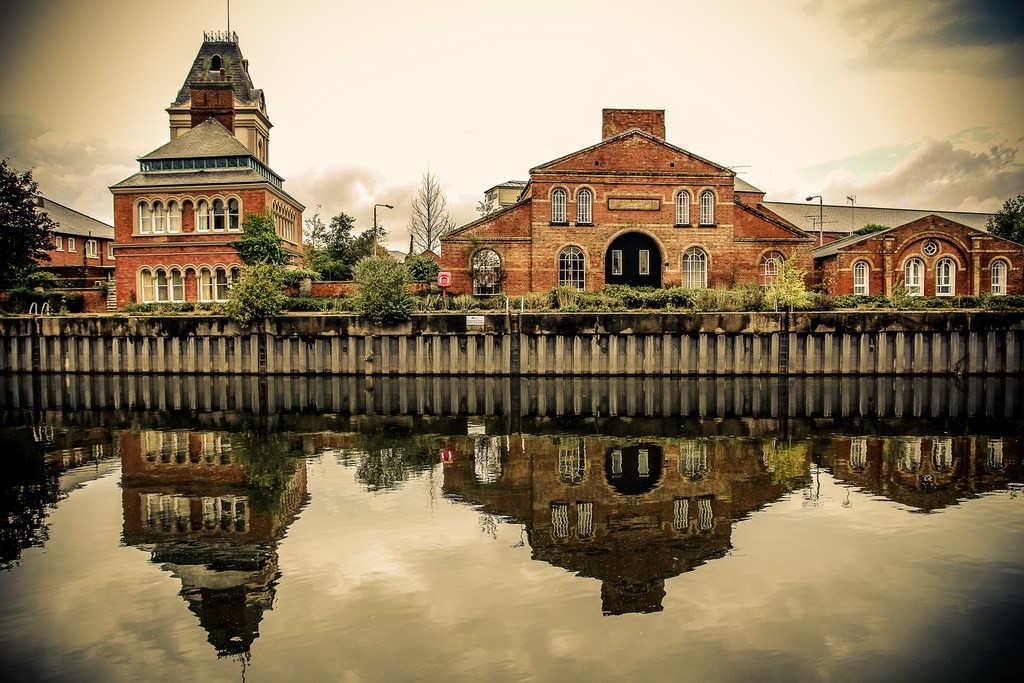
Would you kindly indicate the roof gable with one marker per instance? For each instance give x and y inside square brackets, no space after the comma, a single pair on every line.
[209,139]
[633,151]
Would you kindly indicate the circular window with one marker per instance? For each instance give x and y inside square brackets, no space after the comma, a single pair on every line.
[931,248]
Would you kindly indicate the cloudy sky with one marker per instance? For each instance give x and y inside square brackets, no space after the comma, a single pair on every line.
[914,104]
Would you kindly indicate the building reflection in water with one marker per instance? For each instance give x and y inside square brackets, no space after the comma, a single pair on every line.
[629,512]
[211,507]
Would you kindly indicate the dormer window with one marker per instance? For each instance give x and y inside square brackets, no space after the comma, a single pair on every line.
[216,63]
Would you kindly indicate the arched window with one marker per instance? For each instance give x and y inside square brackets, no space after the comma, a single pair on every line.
[861,270]
[707,207]
[215,63]
[682,207]
[205,284]
[945,277]
[177,286]
[146,286]
[232,214]
[571,267]
[770,264]
[203,216]
[913,277]
[585,207]
[558,206]
[144,220]
[159,216]
[218,214]
[999,278]
[173,216]
[160,285]
[695,269]
[486,272]
[220,282]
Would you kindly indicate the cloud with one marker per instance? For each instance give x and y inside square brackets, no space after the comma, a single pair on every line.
[985,37]
[937,175]
[354,190]
[74,172]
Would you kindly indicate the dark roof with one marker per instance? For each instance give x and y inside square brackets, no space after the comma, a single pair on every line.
[71,222]
[224,45]
[209,139]
[844,218]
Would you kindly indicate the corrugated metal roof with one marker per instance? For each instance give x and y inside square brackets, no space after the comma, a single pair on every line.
[837,218]
[72,222]
[209,139]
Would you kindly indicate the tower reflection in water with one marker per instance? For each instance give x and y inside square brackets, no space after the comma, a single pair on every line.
[211,507]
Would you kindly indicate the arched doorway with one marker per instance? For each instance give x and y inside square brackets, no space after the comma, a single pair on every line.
[633,259]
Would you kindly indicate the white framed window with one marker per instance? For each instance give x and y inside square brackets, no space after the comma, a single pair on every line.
[585,207]
[616,262]
[945,277]
[110,250]
[203,216]
[159,217]
[558,198]
[571,267]
[221,285]
[770,264]
[233,214]
[486,273]
[695,269]
[913,277]
[218,214]
[71,244]
[92,249]
[205,284]
[861,270]
[177,286]
[58,243]
[173,216]
[144,221]
[707,207]
[146,286]
[160,285]
[998,277]
[682,207]
[645,262]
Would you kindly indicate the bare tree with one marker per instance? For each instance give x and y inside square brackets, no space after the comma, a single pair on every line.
[430,220]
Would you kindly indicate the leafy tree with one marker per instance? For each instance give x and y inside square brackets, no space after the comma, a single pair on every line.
[870,228]
[259,293]
[790,288]
[1008,222]
[422,267]
[26,233]
[260,242]
[383,296]
[332,251]
[430,220]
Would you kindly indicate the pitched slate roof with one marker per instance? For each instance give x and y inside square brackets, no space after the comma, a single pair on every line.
[226,47]
[847,219]
[834,247]
[71,222]
[209,139]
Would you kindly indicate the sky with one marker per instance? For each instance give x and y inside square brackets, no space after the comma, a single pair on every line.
[910,104]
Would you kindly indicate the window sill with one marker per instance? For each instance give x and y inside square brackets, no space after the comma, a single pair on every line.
[584,225]
[563,223]
[708,225]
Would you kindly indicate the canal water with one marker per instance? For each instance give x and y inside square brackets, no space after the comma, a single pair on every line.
[384,529]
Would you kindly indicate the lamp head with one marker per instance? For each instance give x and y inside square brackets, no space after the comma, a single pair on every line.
[816,196]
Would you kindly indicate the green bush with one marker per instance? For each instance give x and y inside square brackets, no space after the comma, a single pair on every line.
[20,300]
[292,277]
[316,304]
[383,292]
[422,268]
[258,293]
[39,278]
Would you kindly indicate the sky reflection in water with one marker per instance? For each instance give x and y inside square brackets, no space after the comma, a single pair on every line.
[548,545]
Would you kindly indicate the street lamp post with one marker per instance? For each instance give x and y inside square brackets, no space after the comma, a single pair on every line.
[387,206]
[821,217]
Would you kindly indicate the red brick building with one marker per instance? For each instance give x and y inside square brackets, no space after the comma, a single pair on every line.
[931,256]
[82,249]
[632,209]
[175,220]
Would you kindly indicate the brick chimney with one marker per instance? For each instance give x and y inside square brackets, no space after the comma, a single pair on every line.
[615,121]
[213,100]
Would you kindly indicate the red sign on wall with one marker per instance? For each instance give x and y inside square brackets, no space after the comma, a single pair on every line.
[444,279]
